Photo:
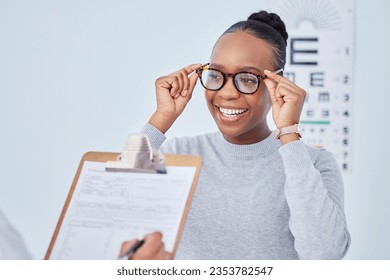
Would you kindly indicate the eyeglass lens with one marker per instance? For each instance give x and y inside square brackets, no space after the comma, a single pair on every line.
[214,80]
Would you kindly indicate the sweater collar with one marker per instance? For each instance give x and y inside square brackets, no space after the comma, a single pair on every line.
[265,146]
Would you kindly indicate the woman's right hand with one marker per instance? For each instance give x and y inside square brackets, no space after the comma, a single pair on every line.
[173,92]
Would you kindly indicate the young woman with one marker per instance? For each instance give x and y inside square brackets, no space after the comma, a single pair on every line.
[261,194]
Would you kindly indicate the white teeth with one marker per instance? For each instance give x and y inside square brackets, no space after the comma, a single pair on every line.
[231,112]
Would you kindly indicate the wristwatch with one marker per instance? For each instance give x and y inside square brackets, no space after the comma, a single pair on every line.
[288,130]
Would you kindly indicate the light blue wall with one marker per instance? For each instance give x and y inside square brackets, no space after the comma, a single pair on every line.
[77,76]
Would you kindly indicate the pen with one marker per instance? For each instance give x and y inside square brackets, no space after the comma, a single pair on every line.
[131,251]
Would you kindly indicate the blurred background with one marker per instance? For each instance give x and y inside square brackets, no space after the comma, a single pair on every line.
[78,76]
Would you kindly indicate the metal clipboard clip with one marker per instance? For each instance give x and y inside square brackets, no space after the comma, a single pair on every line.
[138,156]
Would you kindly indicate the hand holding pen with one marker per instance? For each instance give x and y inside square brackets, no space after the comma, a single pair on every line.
[151,247]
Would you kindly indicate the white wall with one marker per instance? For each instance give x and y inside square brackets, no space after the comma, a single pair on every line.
[77,76]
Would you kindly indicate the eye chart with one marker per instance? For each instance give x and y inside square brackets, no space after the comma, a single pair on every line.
[320,60]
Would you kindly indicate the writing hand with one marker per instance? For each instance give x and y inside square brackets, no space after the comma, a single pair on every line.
[152,249]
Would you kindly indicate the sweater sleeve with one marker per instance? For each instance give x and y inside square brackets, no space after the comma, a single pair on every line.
[315,196]
[12,246]
[157,139]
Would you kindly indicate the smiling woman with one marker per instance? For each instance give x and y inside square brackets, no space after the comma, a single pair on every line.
[261,194]
[234,52]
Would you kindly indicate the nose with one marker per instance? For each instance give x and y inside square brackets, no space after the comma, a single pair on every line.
[229,91]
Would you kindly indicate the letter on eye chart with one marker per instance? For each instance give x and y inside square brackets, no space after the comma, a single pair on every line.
[108,208]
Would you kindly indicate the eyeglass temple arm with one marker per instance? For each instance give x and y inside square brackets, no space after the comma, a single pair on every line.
[198,71]
[277,71]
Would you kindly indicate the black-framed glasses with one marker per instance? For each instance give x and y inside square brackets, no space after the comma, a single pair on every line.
[245,82]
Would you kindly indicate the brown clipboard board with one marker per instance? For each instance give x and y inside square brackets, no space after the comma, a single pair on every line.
[170,160]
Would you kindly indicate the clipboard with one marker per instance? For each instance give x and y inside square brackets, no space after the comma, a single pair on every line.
[104,157]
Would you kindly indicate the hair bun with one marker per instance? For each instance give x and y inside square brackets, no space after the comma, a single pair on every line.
[272,20]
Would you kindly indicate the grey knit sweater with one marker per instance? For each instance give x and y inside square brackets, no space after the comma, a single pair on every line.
[261,201]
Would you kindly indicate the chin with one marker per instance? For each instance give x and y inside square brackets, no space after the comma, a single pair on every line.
[230,132]
[240,134]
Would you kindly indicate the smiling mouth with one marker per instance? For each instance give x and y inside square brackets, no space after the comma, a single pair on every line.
[231,113]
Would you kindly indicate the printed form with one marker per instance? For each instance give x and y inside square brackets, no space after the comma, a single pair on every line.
[108,208]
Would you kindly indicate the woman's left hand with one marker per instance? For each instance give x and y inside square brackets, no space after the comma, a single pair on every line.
[286,98]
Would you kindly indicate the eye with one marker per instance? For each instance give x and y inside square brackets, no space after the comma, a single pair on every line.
[247,79]
[213,75]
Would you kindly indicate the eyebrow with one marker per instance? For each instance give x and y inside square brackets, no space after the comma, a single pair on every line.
[245,68]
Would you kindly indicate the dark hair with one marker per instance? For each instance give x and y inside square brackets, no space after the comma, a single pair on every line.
[268,27]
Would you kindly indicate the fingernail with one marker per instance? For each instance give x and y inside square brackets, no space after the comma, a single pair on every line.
[185,93]
[267,72]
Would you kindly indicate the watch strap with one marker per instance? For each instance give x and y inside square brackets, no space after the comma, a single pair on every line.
[288,130]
